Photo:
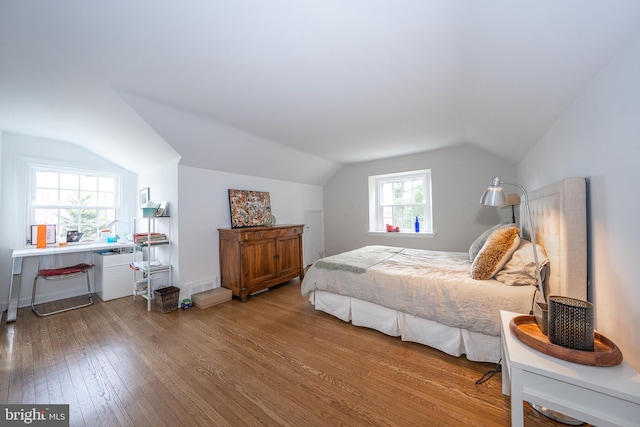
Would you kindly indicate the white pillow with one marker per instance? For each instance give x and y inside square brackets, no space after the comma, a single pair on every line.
[521,268]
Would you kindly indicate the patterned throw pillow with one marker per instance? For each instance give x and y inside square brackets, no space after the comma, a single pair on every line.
[495,252]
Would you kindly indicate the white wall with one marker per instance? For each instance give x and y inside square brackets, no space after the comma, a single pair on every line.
[204,207]
[459,176]
[17,150]
[599,138]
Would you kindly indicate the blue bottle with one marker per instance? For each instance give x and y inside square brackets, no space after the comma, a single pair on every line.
[417,225]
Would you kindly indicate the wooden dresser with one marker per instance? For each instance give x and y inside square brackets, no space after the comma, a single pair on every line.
[253,259]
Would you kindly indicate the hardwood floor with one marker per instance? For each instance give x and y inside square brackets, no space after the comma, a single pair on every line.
[273,360]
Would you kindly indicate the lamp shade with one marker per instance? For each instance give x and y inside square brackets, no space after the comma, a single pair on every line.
[512,200]
[493,195]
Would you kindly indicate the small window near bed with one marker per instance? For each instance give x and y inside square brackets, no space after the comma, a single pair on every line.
[397,199]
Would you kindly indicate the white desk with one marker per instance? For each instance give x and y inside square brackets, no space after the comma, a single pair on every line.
[603,396]
[19,254]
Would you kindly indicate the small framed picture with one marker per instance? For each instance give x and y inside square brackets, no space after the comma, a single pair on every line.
[74,236]
[162,209]
[144,196]
[51,234]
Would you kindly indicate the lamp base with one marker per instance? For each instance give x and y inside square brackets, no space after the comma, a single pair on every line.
[556,416]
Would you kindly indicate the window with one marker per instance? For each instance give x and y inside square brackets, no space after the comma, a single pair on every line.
[73,200]
[397,199]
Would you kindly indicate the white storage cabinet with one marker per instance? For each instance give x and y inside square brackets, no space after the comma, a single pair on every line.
[113,274]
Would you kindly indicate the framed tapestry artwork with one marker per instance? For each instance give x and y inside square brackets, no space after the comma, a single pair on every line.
[144,196]
[249,208]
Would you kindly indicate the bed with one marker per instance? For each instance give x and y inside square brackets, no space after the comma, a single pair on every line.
[429,297]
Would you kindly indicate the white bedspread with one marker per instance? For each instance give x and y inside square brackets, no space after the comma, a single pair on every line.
[428,284]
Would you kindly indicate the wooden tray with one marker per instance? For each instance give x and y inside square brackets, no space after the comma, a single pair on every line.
[605,353]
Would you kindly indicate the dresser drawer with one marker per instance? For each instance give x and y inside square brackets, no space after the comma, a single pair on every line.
[271,234]
[262,234]
[290,231]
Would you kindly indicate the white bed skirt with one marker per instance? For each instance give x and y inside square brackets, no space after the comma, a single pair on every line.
[475,346]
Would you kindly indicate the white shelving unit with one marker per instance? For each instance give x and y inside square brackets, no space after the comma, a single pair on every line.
[156,264]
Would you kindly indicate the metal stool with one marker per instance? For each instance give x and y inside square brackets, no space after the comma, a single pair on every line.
[62,273]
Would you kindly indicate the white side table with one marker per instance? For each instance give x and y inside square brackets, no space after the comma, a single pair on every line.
[602,396]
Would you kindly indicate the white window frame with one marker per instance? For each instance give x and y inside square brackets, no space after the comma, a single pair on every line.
[376,219]
[33,167]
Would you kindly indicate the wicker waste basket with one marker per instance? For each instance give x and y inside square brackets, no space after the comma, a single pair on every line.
[166,299]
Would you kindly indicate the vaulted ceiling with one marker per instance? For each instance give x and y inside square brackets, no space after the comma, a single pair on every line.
[321,83]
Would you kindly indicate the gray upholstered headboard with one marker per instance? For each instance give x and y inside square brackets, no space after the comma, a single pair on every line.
[559,213]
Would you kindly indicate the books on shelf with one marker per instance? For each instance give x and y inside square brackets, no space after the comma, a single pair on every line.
[143,238]
[144,265]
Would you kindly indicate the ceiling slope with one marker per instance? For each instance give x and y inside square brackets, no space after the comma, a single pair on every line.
[206,144]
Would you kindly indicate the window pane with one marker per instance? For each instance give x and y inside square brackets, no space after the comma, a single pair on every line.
[418,195]
[46,216]
[407,192]
[46,179]
[397,193]
[107,184]
[102,218]
[88,198]
[387,214]
[411,213]
[88,222]
[69,219]
[69,181]
[106,216]
[46,197]
[88,183]
[106,199]
[69,197]
[387,194]
[397,216]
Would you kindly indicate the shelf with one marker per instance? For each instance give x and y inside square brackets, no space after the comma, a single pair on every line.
[144,295]
[156,244]
[153,243]
[152,269]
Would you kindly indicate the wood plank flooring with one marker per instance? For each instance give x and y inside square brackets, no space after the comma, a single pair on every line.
[271,361]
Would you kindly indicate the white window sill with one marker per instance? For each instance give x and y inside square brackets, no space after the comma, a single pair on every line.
[421,235]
